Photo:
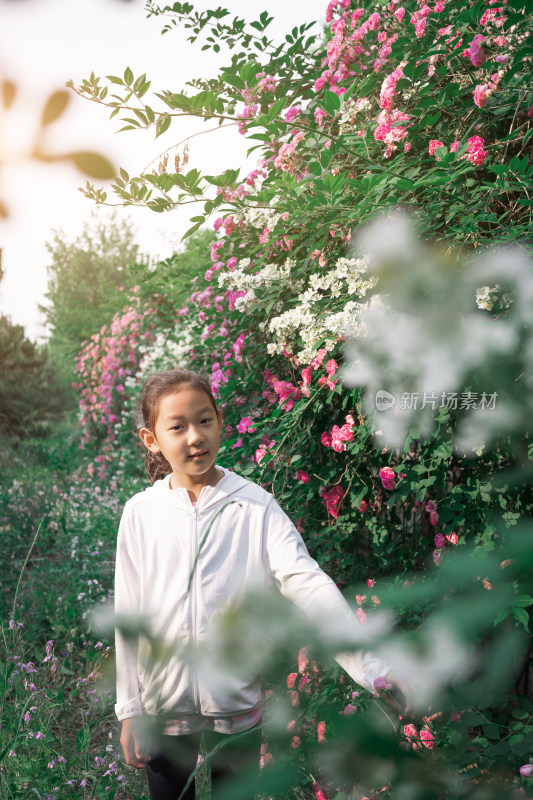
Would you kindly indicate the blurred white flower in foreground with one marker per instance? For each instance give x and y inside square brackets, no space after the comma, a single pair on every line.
[427,343]
[430,664]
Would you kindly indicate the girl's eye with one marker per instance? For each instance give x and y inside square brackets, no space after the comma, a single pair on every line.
[175,427]
[207,419]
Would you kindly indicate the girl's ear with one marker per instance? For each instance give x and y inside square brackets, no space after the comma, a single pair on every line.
[149,440]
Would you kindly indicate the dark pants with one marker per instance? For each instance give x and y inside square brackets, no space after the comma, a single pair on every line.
[169,769]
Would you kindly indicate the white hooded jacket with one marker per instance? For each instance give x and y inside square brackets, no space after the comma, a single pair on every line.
[251,540]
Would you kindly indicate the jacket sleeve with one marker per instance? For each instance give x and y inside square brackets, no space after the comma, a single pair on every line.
[301,580]
[127,602]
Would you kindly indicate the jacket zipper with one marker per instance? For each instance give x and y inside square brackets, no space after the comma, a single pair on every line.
[194,599]
[194,604]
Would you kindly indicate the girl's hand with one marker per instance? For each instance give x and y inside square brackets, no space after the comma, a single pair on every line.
[131,744]
[400,694]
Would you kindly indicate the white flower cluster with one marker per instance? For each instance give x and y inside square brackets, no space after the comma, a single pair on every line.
[168,351]
[278,274]
[349,111]
[259,218]
[488,296]
[308,320]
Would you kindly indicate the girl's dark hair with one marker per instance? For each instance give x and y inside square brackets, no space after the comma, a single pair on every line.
[154,389]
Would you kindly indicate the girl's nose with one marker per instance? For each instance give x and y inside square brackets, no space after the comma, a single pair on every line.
[195,435]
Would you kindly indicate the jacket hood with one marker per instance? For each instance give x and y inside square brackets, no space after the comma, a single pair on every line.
[209,496]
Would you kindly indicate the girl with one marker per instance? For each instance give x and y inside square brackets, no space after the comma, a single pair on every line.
[169,571]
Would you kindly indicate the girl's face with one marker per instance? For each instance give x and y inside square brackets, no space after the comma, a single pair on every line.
[187,432]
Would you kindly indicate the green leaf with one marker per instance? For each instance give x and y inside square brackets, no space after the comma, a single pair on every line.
[55,106]
[128,76]
[325,158]
[522,617]
[315,168]
[522,601]
[233,80]
[332,102]
[82,739]
[114,79]
[191,231]
[92,164]
[491,732]
[162,124]
[276,108]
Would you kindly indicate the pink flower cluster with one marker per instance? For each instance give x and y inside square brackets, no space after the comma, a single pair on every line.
[286,158]
[102,364]
[483,91]
[266,445]
[475,153]
[245,425]
[389,132]
[292,113]
[339,436]
[388,477]
[284,392]
[416,739]
[307,373]
[493,16]
[332,499]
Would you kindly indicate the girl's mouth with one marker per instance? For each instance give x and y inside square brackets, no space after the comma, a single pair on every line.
[198,456]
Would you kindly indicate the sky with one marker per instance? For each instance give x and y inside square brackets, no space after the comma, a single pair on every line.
[44,43]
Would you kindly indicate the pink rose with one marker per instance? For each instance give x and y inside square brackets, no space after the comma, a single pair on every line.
[476,51]
[434,143]
[410,732]
[439,540]
[306,375]
[481,95]
[526,771]
[321,731]
[319,794]
[420,28]
[291,680]
[245,425]
[303,476]
[331,367]
[374,21]
[476,154]
[428,740]
[363,507]
[387,476]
